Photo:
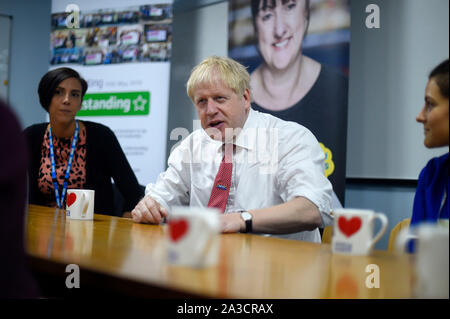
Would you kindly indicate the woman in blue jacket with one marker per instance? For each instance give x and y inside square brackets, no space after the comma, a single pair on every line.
[431,199]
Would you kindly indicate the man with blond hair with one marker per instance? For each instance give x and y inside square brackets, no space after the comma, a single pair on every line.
[264,174]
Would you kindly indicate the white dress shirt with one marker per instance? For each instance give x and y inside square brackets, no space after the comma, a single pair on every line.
[274,161]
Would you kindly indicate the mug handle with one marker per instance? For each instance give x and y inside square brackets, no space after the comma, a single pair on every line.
[384,223]
[402,239]
[84,204]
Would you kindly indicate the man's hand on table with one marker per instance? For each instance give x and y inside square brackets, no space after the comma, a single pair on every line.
[148,211]
[232,223]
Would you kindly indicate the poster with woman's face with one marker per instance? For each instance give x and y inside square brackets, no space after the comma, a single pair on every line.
[297,54]
[325,37]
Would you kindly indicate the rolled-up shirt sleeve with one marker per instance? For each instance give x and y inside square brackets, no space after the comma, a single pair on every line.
[301,172]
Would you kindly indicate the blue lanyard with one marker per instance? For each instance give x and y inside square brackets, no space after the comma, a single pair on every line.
[59,201]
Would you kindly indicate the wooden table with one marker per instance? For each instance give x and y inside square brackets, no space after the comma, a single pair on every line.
[129,259]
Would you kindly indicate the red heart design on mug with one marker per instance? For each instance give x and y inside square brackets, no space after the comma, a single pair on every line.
[349,227]
[71,198]
[178,228]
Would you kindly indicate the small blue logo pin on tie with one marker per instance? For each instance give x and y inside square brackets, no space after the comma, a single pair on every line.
[222,187]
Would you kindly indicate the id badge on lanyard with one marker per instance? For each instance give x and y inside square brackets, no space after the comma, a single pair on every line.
[60,201]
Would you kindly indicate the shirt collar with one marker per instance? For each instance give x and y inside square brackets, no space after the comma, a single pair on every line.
[243,140]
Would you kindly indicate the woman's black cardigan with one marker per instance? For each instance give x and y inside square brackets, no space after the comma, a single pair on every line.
[104,159]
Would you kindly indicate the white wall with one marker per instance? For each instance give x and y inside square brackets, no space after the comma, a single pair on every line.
[197,34]
[389,68]
[30,51]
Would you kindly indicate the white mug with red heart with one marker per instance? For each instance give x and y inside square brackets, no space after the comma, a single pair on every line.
[353,231]
[192,236]
[80,204]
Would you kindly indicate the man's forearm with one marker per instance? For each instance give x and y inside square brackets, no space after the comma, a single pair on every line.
[299,214]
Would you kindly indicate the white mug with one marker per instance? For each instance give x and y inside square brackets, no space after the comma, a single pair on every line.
[80,204]
[431,264]
[192,236]
[353,231]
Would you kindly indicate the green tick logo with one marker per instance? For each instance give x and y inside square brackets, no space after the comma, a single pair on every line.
[115,104]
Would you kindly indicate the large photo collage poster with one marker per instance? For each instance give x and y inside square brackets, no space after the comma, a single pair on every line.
[297,54]
[133,34]
[124,53]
